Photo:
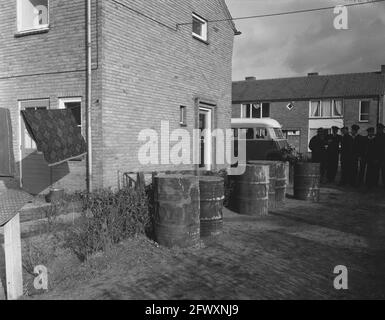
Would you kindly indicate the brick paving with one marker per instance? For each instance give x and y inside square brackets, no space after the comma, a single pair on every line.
[291,254]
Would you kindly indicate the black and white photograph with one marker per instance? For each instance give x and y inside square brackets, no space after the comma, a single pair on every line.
[192,155]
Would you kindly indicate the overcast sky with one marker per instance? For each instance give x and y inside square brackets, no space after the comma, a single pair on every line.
[294,45]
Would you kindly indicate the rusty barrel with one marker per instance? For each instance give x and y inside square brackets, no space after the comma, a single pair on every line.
[307,181]
[251,191]
[280,182]
[212,195]
[272,179]
[176,220]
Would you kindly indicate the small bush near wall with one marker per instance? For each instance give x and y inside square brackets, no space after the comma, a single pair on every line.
[108,218]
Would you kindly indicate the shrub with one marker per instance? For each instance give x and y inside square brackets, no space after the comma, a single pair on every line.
[108,218]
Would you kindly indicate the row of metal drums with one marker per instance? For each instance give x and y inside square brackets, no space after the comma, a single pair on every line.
[187,208]
[260,188]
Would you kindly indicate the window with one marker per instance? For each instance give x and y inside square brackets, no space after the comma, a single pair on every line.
[326,109]
[182,119]
[278,133]
[32,15]
[27,142]
[315,109]
[255,111]
[337,109]
[199,27]
[75,105]
[364,111]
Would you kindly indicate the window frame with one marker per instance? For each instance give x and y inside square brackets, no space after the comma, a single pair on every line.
[63,101]
[342,108]
[183,116]
[310,109]
[205,28]
[322,110]
[360,113]
[42,28]
[248,107]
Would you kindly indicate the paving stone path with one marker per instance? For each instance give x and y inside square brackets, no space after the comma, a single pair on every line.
[291,254]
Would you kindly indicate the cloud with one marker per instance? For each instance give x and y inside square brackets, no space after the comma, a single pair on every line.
[296,44]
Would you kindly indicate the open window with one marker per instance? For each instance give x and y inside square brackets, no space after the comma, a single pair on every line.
[32,15]
[75,105]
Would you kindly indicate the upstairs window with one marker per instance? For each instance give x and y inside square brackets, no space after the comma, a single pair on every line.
[255,111]
[199,27]
[32,15]
[326,109]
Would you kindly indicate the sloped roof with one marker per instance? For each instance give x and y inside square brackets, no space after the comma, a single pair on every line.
[316,86]
[229,16]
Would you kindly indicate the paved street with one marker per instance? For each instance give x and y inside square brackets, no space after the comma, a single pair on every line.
[289,255]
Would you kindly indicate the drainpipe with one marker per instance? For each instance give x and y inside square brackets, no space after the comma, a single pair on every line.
[89,98]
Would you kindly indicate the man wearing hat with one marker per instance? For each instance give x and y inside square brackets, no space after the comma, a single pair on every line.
[371,159]
[317,146]
[333,150]
[346,156]
[380,146]
[358,153]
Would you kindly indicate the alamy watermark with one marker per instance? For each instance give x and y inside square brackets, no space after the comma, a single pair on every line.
[185,147]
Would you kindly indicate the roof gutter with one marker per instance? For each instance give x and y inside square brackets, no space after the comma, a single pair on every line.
[89,98]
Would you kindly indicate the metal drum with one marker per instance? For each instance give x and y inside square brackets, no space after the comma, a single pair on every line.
[272,179]
[212,195]
[176,221]
[307,181]
[280,183]
[251,191]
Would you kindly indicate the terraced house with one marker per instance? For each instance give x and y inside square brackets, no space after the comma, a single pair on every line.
[121,66]
[304,104]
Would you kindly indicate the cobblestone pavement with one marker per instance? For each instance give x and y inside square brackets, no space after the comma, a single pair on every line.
[291,254]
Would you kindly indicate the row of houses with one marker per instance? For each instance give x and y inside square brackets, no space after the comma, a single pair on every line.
[122,66]
[304,104]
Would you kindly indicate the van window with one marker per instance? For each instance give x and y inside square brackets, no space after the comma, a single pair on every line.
[278,133]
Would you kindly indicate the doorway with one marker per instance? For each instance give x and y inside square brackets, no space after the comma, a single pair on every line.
[35,174]
[205,128]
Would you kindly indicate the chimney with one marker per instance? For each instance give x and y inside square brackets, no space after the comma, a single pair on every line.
[250,78]
[383,68]
[312,74]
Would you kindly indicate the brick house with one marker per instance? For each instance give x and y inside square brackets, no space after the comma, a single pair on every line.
[150,61]
[303,104]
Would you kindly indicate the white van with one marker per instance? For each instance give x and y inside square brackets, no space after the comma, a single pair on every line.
[264,137]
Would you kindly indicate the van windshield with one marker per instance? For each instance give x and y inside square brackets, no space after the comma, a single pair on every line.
[278,133]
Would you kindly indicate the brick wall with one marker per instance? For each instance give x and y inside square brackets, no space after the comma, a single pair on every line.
[150,70]
[48,65]
[142,72]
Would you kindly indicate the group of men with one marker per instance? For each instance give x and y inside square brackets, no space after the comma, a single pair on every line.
[362,157]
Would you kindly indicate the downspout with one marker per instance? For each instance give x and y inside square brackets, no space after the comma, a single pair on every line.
[89,98]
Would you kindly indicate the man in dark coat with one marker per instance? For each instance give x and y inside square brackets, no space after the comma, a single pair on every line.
[333,151]
[346,156]
[371,156]
[317,146]
[358,162]
[380,146]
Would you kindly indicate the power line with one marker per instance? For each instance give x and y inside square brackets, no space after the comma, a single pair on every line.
[287,12]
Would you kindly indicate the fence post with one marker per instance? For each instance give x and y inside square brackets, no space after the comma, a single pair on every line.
[13,265]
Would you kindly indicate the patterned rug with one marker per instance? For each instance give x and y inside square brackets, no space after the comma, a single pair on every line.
[56,134]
